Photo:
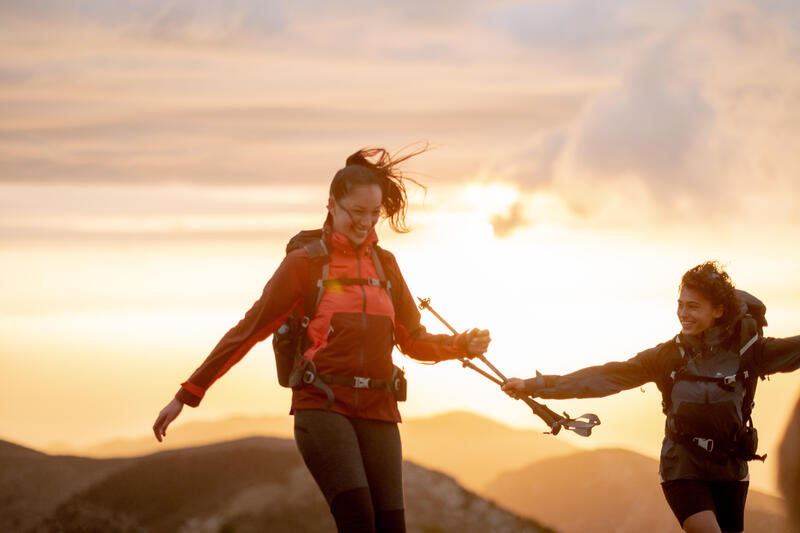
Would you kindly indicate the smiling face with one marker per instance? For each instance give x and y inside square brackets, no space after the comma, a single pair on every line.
[355,214]
[695,312]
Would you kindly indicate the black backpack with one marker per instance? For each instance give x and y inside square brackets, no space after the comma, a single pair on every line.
[291,340]
[745,442]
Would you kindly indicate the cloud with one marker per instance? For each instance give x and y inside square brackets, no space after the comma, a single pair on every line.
[504,225]
[210,20]
[532,166]
[662,106]
[122,214]
[704,124]
[14,75]
[570,24]
[649,127]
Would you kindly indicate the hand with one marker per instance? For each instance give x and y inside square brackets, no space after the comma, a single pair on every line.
[477,342]
[165,417]
[514,387]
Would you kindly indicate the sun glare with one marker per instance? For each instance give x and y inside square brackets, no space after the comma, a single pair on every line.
[489,198]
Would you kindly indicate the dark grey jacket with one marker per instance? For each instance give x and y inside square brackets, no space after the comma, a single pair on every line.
[712,355]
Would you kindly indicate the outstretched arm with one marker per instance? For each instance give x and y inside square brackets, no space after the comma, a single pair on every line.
[778,355]
[593,381]
[282,293]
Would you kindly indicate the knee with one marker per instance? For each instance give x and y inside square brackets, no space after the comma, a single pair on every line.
[390,521]
[702,522]
[353,512]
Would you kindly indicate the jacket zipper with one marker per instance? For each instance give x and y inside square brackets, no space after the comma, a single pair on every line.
[363,324]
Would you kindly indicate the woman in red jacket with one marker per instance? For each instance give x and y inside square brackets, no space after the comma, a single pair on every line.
[346,426]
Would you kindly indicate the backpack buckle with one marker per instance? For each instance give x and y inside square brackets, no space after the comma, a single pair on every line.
[360,383]
[372,282]
[309,377]
[729,380]
[706,444]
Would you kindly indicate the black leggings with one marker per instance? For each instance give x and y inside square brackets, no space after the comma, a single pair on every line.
[357,464]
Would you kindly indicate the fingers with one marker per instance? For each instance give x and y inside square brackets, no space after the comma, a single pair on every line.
[165,417]
[478,341]
[514,387]
[159,428]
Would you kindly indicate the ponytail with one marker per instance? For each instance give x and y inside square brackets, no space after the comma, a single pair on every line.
[375,166]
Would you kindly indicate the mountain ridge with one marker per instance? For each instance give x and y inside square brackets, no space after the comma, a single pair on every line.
[240,485]
[611,489]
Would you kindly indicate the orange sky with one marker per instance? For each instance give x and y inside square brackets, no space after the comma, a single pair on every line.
[154,158]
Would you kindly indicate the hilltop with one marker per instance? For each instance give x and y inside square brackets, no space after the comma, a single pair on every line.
[244,485]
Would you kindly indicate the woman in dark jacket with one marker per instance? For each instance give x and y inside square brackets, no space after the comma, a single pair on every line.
[346,413]
[707,376]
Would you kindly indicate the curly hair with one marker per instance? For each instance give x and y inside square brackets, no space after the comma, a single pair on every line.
[375,166]
[711,280]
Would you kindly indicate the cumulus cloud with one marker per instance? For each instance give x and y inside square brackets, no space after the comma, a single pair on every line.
[705,121]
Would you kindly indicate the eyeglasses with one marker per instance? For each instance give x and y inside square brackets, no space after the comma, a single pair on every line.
[357,215]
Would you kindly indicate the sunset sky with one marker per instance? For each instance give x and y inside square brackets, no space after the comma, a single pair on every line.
[155,157]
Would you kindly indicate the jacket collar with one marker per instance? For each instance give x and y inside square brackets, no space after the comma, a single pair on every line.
[340,243]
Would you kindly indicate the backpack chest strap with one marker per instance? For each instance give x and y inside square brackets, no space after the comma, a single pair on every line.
[343,282]
[726,382]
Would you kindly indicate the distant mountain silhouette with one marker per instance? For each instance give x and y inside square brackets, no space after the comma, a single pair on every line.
[475,449]
[609,490]
[254,484]
[184,435]
[32,483]
[472,448]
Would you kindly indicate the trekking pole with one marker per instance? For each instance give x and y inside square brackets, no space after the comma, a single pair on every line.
[426,304]
[550,417]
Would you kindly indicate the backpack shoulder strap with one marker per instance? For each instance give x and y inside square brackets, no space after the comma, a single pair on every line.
[378,254]
[751,331]
[319,265]
[673,355]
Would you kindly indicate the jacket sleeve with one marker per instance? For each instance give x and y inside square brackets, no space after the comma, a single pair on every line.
[778,355]
[601,380]
[410,336]
[282,293]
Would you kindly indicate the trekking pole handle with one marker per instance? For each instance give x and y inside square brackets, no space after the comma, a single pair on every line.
[425,303]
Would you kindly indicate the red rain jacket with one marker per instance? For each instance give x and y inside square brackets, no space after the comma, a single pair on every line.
[352,334]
